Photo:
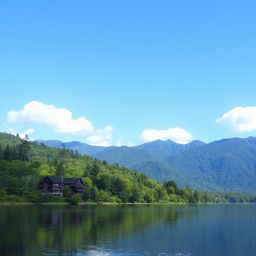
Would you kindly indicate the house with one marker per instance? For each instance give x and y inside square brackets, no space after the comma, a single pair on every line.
[54,185]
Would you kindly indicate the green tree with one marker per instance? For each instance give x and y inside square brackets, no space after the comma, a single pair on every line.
[75,199]
[8,154]
[24,149]
[67,192]
[46,170]
[94,170]
[103,196]
[60,169]
[94,194]
[87,189]
[196,196]
[171,187]
[136,195]
[14,187]
[103,181]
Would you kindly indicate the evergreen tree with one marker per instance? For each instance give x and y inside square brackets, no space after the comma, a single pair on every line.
[7,154]
[60,170]
[23,149]
[1,152]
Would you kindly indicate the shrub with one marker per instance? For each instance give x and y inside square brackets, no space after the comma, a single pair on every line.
[115,199]
[36,197]
[103,196]
[13,198]
[75,199]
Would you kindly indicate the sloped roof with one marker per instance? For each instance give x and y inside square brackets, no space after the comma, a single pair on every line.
[55,179]
[65,181]
[78,186]
[70,180]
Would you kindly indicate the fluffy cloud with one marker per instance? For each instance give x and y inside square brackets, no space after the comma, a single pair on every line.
[176,134]
[101,137]
[240,119]
[60,119]
[22,134]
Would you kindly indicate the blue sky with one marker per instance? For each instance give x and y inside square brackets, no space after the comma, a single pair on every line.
[132,71]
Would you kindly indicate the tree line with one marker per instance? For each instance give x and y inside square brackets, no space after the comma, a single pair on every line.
[24,163]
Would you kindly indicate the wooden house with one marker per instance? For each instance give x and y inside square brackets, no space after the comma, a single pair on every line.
[54,185]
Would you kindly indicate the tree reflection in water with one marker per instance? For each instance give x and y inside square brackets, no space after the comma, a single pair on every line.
[30,230]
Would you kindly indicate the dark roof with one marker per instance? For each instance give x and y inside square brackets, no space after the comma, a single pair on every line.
[66,181]
[54,179]
[77,186]
[70,180]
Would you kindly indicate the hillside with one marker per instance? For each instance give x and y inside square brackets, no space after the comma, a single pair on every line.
[23,164]
[81,147]
[147,158]
[225,165]
[228,164]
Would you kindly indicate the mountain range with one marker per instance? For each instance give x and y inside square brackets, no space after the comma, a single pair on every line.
[224,165]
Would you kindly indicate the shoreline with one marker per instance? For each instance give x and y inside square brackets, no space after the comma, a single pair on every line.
[120,204]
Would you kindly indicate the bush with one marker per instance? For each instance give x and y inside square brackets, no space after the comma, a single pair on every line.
[87,194]
[36,197]
[75,199]
[174,198]
[103,196]
[2,193]
[13,198]
[115,199]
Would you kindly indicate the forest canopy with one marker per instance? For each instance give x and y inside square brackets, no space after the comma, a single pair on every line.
[24,163]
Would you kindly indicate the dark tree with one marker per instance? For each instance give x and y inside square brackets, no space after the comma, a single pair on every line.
[24,149]
[60,170]
[94,170]
[1,152]
[7,154]
[171,183]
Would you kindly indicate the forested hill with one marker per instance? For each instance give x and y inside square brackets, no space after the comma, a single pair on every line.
[24,163]
[228,164]
[156,148]
[224,165]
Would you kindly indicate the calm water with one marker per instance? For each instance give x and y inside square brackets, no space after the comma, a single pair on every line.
[128,230]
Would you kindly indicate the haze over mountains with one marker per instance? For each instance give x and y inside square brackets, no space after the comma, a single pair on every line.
[225,165]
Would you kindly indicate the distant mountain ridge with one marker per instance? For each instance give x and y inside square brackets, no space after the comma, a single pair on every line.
[81,147]
[228,164]
[224,165]
[158,147]
[168,147]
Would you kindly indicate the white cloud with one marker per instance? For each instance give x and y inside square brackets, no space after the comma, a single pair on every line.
[60,119]
[101,137]
[175,134]
[119,142]
[22,134]
[240,119]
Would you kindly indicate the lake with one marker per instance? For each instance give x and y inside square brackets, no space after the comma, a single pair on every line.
[213,230]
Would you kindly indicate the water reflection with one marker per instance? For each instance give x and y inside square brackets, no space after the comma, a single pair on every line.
[127,230]
[58,230]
